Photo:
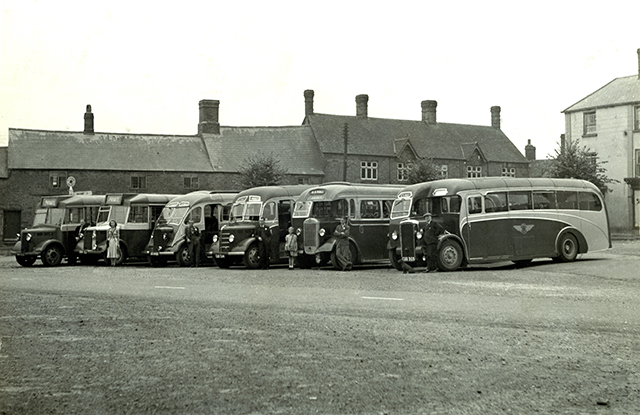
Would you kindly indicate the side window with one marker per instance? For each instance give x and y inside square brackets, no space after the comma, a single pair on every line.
[519,200]
[352,208]
[269,212]
[589,201]
[195,215]
[544,200]
[386,208]
[226,211]
[495,202]
[567,200]
[475,204]
[370,209]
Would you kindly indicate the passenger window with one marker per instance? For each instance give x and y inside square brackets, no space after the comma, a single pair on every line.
[226,211]
[495,202]
[519,200]
[544,200]
[475,204]
[269,212]
[370,209]
[589,201]
[352,208]
[567,200]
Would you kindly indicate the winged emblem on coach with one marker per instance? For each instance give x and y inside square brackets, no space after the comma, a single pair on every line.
[523,228]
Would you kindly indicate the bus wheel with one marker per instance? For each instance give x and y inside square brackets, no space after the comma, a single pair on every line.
[157,261]
[52,256]
[26,261]
[395,259]
[252,258]
[450,256]
[223,262]
[568,247]
[183,257]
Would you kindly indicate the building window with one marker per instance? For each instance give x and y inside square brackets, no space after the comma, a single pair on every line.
[304,180]
[369,170]
[508,172]
[590,123]
[191,182]
[637,163]
[636,122]
[444,171]
[56,179]
[474,171]
[403,171]
[138,182]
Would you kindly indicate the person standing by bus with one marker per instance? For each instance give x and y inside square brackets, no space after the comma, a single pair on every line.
[113,240]
[192,236]
[263,233]
[343,252]
[291,246]
[432,231]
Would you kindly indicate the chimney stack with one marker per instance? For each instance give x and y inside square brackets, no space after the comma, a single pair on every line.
[308,102]
[209,117]
[361,106]
[495,117]
[88,121]
[429,111]
[530,151]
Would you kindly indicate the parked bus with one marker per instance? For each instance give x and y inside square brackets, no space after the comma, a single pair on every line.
[496,219]
[135,214]
[57,226]
[318,211]
[209,210]
[237,240]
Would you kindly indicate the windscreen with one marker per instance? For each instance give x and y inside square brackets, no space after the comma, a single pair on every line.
[40,218]
[55,216]
[401,208]
[302,209]
[252,212]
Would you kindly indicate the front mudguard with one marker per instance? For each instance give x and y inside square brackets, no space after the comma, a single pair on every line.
[243,246]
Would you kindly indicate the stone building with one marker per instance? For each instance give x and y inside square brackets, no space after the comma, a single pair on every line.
[323,148]
[607,121]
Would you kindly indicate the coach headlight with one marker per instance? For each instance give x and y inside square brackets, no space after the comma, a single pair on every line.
[419,234]
[394,235]
[321,232]
[298,231]
[215,238]
[28,238]
[231,238]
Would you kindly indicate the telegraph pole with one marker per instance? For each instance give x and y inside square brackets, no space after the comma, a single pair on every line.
[345,136]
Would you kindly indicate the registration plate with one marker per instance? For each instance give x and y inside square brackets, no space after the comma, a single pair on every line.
[408,258]
[220,256]
[154,253]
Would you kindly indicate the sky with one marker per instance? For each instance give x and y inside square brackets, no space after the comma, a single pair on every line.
[143,66]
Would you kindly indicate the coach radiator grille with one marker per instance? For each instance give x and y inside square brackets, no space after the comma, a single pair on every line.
[310,238]
[408,239]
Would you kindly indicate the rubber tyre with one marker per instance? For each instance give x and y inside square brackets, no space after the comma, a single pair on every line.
[394,259]
[182,256]
[450,255]
[26,261]
[568,248]
[52,256]
[252,258]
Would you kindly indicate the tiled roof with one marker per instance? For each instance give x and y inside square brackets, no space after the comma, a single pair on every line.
[60,150]
[376,137]
[620,91]
[294,146]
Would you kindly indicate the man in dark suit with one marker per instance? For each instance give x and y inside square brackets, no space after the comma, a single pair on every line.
[430,236]
[192,236]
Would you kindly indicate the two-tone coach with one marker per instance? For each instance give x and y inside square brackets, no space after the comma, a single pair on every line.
[238,241]
[209,210]
[57,226]
[135,214]
[500,219]
[319,209]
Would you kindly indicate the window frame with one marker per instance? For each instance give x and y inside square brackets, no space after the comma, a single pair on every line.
[138,182]
[589,127]
[369,170]
[474,172]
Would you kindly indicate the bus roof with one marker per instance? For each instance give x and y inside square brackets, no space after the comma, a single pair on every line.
[83,200]
[267,192]
[193,198]
[454,186]
[336,190]
[137,198]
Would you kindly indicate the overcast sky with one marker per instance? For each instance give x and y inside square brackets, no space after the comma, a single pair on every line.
[143,66]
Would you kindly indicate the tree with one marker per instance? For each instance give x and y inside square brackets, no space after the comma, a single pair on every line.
[575,162]
[423,170]
[261,170]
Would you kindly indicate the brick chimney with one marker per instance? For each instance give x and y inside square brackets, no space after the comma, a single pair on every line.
[361,106]
[209,117]
[495,117]
[429,111]
[308,102]
[88,121]
[530,151]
